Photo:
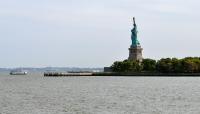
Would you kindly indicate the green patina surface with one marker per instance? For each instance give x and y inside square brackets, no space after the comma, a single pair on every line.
[134,38]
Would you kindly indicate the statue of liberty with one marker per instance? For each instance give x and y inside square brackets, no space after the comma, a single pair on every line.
[135,51]
[134,31]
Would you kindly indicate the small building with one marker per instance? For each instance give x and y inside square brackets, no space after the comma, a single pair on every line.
[107,69]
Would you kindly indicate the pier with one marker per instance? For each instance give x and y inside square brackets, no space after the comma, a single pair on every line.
[57,74]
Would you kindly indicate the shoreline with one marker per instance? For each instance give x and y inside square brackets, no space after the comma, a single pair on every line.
[121,74]
[149,74]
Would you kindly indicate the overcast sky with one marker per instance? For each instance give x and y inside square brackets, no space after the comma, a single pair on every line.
[95,33]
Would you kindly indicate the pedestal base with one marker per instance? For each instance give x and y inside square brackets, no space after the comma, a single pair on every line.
[135,53]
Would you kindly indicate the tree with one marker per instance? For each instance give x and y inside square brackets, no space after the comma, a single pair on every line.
[126,66]
[177,66]
[149,65]
[191,65]
[164,65]
[117,66]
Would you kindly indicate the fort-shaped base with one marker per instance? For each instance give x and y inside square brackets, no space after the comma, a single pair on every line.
[135,53]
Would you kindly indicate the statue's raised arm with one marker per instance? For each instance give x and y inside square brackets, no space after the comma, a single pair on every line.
[134,21]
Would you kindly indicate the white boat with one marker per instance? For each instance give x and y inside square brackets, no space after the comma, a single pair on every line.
[18,72]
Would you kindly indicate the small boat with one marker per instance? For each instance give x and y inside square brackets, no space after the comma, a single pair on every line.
[18,72]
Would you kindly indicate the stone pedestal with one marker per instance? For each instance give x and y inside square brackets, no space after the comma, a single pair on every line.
[135,53]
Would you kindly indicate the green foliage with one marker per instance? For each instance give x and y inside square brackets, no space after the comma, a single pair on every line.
[117,66]
[149,65]
[164,65]
[177,66]
[126,66]
[191,65]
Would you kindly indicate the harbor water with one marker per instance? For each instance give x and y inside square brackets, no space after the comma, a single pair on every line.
[36,94]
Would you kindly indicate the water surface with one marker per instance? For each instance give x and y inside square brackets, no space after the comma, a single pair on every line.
[35,94]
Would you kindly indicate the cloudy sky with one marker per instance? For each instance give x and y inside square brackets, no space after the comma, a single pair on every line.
[94,33]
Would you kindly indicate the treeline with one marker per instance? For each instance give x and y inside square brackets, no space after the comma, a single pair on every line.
[164,65]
